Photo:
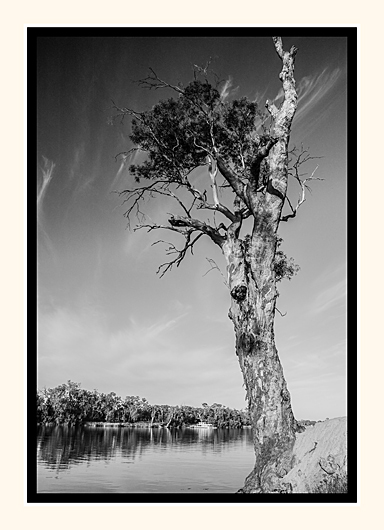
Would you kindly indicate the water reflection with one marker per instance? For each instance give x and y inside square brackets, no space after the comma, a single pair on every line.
[161,453]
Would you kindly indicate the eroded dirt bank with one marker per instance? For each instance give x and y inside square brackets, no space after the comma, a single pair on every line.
[320,456]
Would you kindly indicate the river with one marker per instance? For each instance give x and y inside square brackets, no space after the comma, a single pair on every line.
[142,460]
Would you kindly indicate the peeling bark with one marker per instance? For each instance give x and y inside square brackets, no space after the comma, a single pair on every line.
[252,283]
[253,293]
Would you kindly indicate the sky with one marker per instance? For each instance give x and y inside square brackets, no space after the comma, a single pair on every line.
[105,318]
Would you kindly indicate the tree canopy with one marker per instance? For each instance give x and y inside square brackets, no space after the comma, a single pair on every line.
[199,129]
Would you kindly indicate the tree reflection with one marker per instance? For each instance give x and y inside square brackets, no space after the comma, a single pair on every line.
[60,447]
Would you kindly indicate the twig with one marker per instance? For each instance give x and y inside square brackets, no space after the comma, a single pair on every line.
[214,266]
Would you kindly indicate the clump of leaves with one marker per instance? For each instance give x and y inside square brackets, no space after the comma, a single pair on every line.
[284,267]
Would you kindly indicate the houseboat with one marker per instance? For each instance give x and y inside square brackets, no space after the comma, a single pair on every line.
[203,425]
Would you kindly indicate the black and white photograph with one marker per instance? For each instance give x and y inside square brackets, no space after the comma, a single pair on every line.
[195,243]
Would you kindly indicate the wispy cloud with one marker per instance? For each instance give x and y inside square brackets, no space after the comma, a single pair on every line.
[332,289]
[311,90]
[47,175]
[82,174]
[125,160]
[331,296]
[259,97]
[227,90]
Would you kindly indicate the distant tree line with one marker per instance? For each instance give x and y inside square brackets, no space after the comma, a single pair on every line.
[72,405]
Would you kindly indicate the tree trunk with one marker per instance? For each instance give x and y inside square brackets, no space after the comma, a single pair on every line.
[252,282]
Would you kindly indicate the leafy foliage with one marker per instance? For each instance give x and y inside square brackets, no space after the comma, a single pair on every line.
[284,267]
[176,134]
[70,404]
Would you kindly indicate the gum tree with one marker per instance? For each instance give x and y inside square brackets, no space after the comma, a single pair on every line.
[245,156]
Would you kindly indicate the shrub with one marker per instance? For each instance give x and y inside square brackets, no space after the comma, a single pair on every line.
[337,483]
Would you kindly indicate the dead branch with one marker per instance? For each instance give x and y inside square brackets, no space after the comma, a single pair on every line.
[214,266]
[185,226]
[301,159]
[180,253]
[138,195]
[284,115]
[196,224]
[154,82]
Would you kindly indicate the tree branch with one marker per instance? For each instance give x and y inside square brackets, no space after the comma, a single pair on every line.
[271,108]
[154,82]
[208,230]
[283,117]
[262,153]
[137,194]
[232,179]
[301,158]
[186,227]
[214,266]
[180,253]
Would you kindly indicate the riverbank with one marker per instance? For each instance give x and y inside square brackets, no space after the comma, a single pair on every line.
[69,404]
[320,457]
[139,424]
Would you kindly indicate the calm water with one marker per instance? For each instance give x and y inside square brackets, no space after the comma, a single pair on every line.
[126,460]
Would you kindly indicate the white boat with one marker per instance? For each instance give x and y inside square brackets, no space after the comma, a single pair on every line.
[203,425]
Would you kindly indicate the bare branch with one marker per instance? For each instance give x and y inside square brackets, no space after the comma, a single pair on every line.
[151,227]
[201,147]
[242,157]
[303,185]
[138,194]
[283,118]
[214,266]
[170,193]
[186,228]
[278,46]
[180,253]
[282,314]
[201,70]
[153,81]
[172,249]
[208,230]
[212,174]
[204,205]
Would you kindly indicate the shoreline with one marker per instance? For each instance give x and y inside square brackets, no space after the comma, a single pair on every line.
[158,425]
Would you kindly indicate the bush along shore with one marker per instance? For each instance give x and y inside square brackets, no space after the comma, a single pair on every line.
[69,404]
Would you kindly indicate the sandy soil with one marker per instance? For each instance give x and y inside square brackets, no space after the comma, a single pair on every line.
[320,454]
